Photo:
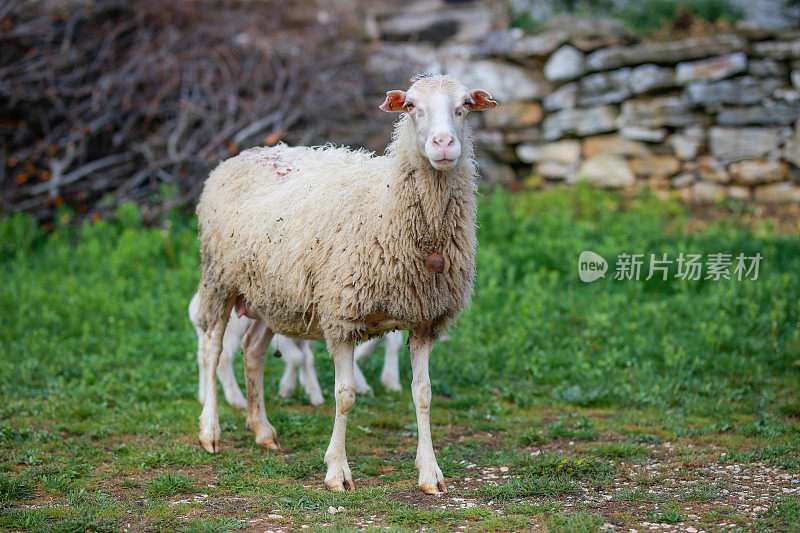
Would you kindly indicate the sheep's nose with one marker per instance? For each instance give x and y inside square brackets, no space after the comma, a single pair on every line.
[444,141]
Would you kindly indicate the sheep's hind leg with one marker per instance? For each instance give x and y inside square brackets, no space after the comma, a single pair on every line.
[254,349]
[431,480]
[339,476]
[211,347]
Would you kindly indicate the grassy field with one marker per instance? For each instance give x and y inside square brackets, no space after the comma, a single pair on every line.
[558,404]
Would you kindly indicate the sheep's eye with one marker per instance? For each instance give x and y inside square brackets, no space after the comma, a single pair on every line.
[459,111]
[409,106]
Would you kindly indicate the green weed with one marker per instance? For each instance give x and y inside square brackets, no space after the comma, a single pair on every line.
[169,484]
[99,376]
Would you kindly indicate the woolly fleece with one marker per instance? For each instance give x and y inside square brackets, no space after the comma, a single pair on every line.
[322,242]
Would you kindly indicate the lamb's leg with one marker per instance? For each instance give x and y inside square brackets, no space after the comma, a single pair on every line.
[390,376]
[431,480]
[211,347]
[339,476]
[230,343]
[309,375]
[365,350]
[254,348]
[194,318]
[362,354]
[293,357]
[362,387]
[201,389]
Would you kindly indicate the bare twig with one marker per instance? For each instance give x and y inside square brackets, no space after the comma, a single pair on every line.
[117,97]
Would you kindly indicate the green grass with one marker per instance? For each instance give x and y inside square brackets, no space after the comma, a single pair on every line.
[581,522]
[571,467]
[619,449]
[529,486]
[212,525]
[642,16]
[169,484]
[98,380]
[648,15]
[12,489]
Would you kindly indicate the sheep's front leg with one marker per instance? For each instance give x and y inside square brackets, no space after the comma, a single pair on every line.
[431,480]
[339,476]
[254,349]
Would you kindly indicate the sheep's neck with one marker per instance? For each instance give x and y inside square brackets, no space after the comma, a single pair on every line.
[427,201]
[430,240]
[426,197]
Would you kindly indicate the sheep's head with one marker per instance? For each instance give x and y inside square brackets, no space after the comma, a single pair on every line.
[438,107]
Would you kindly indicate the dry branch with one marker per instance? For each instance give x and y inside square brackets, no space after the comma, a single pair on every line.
[114,99]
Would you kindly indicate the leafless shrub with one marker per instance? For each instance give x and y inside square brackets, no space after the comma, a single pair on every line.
[108,101]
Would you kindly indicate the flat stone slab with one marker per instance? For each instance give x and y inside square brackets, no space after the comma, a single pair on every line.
[664,53]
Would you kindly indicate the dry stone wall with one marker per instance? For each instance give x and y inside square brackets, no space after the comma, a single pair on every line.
[709,116]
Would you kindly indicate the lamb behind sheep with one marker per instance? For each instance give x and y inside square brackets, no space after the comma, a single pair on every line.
[296,354]
[299,359]
[330,243]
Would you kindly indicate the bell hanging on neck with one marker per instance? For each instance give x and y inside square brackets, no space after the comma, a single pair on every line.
[435,263]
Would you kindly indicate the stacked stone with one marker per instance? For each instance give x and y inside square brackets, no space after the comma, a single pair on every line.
[709,116]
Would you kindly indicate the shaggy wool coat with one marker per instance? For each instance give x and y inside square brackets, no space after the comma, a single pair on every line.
[324,242]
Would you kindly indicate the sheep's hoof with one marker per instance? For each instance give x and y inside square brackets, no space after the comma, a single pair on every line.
[239,404]
[339,478]
[270,444]
[364,389]
[340,485]
[286,394]
[434,488]
[431,480]
[210,445]
[316,400]
[209,436]
[392,386]
[266,436]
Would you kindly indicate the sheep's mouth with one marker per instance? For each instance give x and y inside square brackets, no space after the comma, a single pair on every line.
[444,162]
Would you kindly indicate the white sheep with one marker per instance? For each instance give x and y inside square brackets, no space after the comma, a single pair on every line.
[299,359]
[341,245]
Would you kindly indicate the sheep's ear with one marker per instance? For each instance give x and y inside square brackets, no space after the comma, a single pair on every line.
[480,100]
[395,102]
